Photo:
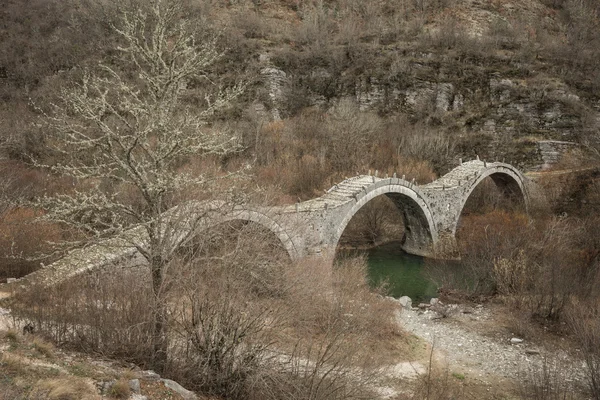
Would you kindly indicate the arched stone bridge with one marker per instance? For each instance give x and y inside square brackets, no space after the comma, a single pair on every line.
[431,212]
[313,228]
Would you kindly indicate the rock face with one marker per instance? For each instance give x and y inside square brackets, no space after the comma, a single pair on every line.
[275,80]
[506,106]
[551,151]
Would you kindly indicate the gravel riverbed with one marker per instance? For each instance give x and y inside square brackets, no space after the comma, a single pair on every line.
[485,357]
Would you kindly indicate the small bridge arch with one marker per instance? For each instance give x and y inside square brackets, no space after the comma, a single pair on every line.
[263,219]
[506,177]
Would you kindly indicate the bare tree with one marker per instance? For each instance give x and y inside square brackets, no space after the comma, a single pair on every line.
[124,133]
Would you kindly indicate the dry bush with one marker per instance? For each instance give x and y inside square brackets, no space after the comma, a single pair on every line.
[100,312]
[317,25]
[438,383]
[482,239]
[10,392]
[350,134]
[429,145]
[242,341]
[512,276]
[13,364]
[487,197]
[12,335]
[537,267]
[585,324]
[308,178]
[71,388]
[322,301]
[219,325]
[421,171]
[239,315]
[24,238]
[547,382]
[120,389]
[251,24]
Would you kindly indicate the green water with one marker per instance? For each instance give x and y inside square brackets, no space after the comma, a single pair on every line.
[403,271]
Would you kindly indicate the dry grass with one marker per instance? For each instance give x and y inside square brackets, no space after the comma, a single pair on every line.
[68,388]
[43,347]
[12,335]
[120,389]
[14,364]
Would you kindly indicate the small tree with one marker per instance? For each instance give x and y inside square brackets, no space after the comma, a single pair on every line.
[125,131]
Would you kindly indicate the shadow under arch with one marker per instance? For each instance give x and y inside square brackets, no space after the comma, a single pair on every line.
[420,235]
[509,181]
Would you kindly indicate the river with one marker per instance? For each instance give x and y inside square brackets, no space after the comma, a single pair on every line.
[403,272]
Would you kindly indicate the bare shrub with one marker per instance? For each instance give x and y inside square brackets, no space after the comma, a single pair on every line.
[220,332]
[426,144]
[100,312]
[538,268]
[583,320]
[512,275]
[321,300]
[120,389]
[309,178]
[547,382]
[43,347]
[350,134]
[317,24]
[438,383]
[251,24]
[482,240]
[319,369]
[487,197]
[23,240]
[421,171]
[238,317]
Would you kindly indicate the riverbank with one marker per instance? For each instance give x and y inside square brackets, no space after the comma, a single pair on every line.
[475,344]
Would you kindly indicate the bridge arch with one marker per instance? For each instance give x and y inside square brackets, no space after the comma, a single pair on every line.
[420,232]
[506,177]
[266,222]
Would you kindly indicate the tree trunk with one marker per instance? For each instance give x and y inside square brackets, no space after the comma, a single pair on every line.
[159,340]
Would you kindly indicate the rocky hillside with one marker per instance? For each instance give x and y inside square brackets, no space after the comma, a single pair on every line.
[499,77]
[504,79]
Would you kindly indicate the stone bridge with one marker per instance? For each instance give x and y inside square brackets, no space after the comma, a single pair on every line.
[430,212]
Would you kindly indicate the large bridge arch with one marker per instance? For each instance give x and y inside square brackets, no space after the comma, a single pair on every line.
[506,177]
[420,233]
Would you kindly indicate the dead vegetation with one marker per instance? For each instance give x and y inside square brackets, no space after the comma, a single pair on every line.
[243,322]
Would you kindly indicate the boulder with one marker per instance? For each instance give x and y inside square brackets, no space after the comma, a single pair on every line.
[406,302]
[137,396]
[149,375]
[134,385]
[176,387]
